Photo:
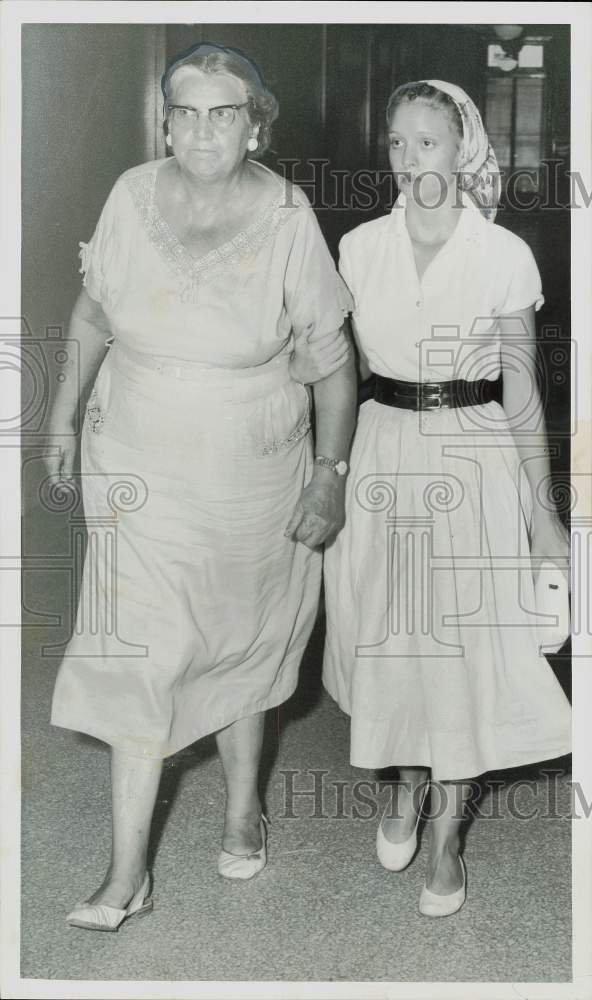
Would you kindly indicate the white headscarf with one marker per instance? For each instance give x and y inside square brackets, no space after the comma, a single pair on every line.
[478,172]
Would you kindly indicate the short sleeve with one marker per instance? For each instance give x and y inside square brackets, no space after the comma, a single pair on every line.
[98,257]
[314,293]
[345,268]
[523,282]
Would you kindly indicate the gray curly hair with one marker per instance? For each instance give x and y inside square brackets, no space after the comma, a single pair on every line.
[206,57]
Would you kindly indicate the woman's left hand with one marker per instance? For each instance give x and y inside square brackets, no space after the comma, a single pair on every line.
[550,543]
[320,513]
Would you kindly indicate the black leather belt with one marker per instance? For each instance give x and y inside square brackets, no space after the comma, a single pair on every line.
[434,395]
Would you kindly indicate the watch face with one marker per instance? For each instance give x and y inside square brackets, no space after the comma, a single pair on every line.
[341,468]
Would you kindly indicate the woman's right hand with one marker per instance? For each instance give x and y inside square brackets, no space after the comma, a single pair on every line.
[60,451]
[317,355]
[320,512]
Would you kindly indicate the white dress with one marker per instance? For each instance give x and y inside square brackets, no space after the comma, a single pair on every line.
[431,641]
[195,608]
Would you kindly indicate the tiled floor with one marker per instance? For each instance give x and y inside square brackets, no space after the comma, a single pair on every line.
[323,909]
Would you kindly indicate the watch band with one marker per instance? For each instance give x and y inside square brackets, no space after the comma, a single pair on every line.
[336,465]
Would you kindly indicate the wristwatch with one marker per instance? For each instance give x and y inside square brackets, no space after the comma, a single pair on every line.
[336,465]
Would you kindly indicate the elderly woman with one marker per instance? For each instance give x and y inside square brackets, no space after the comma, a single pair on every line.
[206,270]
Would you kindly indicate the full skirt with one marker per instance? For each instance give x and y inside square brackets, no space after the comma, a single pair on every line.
[433,644]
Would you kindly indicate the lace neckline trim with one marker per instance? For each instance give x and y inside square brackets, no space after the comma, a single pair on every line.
[229,253]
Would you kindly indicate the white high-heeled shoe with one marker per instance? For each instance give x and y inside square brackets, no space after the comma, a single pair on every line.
[98,917]
[245,866]
[432,904]
[396,857]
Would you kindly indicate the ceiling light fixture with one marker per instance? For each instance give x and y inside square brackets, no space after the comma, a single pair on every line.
[508,32]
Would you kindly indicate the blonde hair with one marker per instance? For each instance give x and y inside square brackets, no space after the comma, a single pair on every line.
[430,96]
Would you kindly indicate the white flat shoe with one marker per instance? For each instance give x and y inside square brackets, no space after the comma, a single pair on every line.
[98,917]
[396,857]
[431,904]
[245,866]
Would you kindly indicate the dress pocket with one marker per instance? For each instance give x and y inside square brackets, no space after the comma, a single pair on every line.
[278,422]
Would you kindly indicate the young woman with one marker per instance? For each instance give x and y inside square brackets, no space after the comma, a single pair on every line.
[431,646]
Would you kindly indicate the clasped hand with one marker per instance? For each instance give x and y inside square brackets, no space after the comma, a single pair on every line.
[320,513]
[318,355]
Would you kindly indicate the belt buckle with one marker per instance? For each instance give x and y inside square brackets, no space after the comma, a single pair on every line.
[434,399]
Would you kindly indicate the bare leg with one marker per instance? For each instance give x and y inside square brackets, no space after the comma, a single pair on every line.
[239,746]
[134,787]
[444,872]
[399,821]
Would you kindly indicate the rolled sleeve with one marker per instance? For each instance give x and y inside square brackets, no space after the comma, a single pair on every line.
[315,294]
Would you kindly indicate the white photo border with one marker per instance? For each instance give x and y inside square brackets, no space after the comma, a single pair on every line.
[13,14]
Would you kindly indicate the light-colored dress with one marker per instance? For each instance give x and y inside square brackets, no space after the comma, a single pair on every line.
[431,640]
[195,608]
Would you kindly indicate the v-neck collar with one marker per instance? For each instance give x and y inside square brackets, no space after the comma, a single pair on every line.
[175,253]
[224,249]
[468,229]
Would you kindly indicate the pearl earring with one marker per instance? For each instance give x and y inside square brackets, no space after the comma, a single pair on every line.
[168,140]
[252,144]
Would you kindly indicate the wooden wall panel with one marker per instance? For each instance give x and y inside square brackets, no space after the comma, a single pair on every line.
[89,112]
[333,82]
[290,57]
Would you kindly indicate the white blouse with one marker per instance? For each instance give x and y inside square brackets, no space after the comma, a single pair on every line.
[446,325]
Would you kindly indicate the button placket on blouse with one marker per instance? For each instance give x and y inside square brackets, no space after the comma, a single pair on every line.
[417,291]
[418,288]
[420,304]
[405,263]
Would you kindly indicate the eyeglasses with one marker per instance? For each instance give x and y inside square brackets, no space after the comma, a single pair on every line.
[221,116]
